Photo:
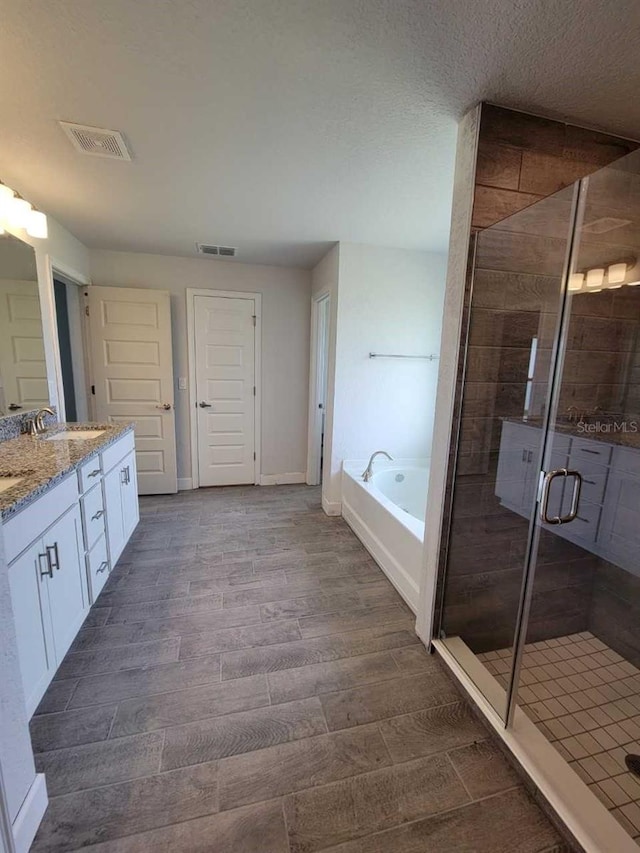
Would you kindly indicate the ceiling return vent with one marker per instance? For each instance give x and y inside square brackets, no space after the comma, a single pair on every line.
[97,141]
[216,251]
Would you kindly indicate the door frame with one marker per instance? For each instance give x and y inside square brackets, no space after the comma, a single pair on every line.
[319,303]
[192,292]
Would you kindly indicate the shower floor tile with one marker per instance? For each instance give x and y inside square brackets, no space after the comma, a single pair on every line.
[585,699]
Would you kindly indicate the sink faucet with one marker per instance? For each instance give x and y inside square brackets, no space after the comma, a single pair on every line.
[36,424]
[368,471]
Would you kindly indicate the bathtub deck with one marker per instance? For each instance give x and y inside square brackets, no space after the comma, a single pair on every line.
[248,681]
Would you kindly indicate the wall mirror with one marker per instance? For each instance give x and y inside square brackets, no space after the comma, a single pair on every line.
[23,370]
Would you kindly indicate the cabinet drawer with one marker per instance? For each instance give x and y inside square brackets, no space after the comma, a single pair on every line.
[583,449]
[29,524]
[93,516]
[585,526]
[594,479]
[97,568]
[89,473]
[626,460]
[117,451]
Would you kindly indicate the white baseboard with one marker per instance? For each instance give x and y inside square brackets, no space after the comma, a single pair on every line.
[332,507]
[398,576]
[31,813]
[288,479]
[185,484]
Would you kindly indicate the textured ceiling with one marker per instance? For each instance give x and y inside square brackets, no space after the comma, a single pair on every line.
[281,126]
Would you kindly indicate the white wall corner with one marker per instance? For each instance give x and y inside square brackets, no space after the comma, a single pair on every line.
[185,484]
[288,479]
[27,821]
[463,196]
[331,507]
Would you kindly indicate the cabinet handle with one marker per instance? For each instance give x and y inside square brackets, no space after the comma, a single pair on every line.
[55,563]
[98,515]
[48,571]
[128,475]
[591,482]
[94,473]
[530,456]
[123,476]
[102,567]
[524,454]
[593,452]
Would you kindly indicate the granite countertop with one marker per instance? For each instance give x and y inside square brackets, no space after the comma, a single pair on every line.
[628,438]
[41,464]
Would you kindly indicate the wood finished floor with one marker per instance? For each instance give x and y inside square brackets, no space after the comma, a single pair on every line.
[249,682]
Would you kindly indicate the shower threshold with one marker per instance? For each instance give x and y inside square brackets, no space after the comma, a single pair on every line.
[557,772]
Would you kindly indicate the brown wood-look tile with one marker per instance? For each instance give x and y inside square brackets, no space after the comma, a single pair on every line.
[99,660]
[188,705]
[333,675]
[316,650]
[70,728]
[257,829]
[501,824]
[102,763]
[168,608]
[387,699]
[244,582]
[266,593]
[498,166]
[97,616]
[143,681]
[342,811]
[196,623]
[352,620]
[78,820]
[57,696]
[427,732]
[415,659]
[308,605]
[295,766]
[245,731]
[482,769]
[230,639]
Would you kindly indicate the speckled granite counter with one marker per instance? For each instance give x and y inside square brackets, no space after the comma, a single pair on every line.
[41,464]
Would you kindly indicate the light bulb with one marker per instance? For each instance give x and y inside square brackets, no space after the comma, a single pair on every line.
[6,200]
[575,282]
[19,212]
[595,277]
[37,224]
[616,273]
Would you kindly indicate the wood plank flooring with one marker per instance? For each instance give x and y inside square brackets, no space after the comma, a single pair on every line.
[249,682]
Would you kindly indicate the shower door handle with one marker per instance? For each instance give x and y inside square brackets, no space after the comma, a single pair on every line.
[575,497]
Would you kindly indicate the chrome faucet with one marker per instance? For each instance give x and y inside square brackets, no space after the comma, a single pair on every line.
[368,471]
[36,424]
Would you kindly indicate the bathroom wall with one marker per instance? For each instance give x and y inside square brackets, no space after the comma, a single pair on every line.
[286,296]
[389,301]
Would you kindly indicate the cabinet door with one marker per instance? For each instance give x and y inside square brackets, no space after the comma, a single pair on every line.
[130,510]
[512,468]
[68,597]
[113,505]
[29,601]
[619,536]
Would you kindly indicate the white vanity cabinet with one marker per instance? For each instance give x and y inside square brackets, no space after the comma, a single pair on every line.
[60,550]
[49,592]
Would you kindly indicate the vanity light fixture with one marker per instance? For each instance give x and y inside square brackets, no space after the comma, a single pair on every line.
[595,277]
[616,274]
[575,282]
[18,213]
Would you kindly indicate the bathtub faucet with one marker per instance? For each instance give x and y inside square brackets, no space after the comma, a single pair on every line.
[368,471]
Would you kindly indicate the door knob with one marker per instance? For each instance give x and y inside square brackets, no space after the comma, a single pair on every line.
[204,405]
[166,407]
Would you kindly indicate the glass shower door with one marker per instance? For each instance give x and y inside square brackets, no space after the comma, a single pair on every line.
[514,317]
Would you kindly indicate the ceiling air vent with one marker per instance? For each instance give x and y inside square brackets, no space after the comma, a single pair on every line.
[604,225]
[217,251]
[97,141]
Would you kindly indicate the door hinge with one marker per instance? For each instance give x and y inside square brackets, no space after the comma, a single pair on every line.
[254,390]
[86,310]
[254,456]
[254,318]
[93,390]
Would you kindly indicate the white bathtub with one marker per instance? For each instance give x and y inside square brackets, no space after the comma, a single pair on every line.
[387,515]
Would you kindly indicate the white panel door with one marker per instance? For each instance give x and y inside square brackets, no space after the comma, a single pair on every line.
[133,375]
[225,389]
[24,371]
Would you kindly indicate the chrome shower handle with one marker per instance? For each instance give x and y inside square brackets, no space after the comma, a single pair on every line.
[575,497]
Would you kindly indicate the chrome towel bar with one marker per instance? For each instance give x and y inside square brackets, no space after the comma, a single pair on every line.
[393,355]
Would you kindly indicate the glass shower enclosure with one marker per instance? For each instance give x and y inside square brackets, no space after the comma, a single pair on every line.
[540,577]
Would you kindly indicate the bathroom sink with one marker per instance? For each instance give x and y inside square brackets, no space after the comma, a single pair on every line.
[9,482]
[74,435]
